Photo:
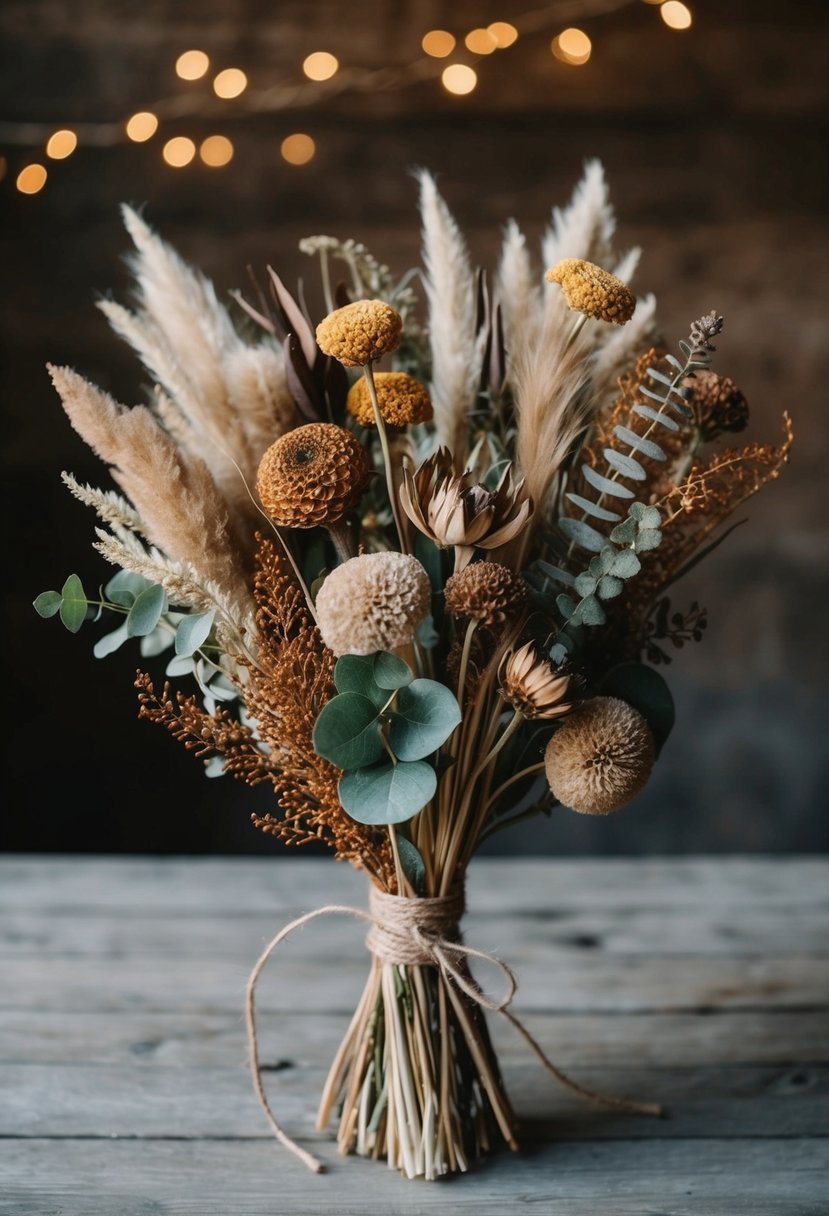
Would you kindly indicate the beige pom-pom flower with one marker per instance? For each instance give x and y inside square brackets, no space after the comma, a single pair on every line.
[595,292]
[601,757]
[530,685]
[402,400]
[359,333]
[373,602]
[716,403]
[488,592]
[312,475]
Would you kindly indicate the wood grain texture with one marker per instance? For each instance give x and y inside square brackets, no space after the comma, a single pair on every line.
[701,984]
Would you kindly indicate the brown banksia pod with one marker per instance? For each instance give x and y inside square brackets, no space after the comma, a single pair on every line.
[600,757]
[373,602]
[593,291]
[402,400]
[359,333]
[716,403]
[312,475]
[488,592]
[532,686]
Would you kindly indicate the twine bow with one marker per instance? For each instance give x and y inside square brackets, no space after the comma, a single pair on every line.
[414,932]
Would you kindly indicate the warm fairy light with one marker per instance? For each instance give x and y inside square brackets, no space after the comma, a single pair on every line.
[141,126]
[503,33]
[677,16]
[61,144]
[230,83]
[572,46]
[438,43]
[458,78]
[321,65]
[298,149]
[481,42]
[179,151]
[192,65]
[216,151]
[31,179]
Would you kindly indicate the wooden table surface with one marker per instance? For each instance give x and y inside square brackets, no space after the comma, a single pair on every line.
[699,983]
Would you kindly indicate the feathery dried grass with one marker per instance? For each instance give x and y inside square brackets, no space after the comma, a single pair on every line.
[517,289]
[109,505]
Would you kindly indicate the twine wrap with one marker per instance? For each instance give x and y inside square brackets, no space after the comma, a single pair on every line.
[414,932]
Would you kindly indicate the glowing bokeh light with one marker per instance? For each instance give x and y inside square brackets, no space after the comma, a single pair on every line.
[216,151]
[572,46]
[61,144]
[438,43]
[178,151]
[677,16]
[298,149]
[141,126]
[321,65]
[192,65]
[481,42]
[503,33]
[459,79]
[31,179]
[229,83]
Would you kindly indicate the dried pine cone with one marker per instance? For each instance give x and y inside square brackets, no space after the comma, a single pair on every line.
[529,684]
[373,602]
[361,332]
[488,592]
[596,292]
[717,404]
[402,400]
[600,757]
[312,475]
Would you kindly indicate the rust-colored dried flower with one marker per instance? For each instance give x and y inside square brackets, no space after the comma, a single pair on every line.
[601,757]
[531,685]
[312,475]
[717,404]
[373,602]
[488,592]
[359,333]
[595,292]
[402,400]
[455,510]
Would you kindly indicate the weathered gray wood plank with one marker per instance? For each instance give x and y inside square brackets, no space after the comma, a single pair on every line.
[206,1040]
[218,885]
[216,1178]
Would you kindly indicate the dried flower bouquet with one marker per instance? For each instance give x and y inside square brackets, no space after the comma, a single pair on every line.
[413,564]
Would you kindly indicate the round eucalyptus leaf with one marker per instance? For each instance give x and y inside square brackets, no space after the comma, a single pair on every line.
[47,603]
[586,584]
[425,715]
[125,587]
[610,587]
[347,731]
[146,612]
[591,611]
[647,538]
[413,865]
[354,673]
[625,564]
[73,603]
[193,631]
[389,671]
[110,642]
[387,793]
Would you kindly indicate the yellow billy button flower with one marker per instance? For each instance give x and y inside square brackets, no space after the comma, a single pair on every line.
[593,291]
[402,400]
[360,333]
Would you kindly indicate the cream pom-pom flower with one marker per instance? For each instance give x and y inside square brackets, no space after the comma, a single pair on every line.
[373,602]
[600,757]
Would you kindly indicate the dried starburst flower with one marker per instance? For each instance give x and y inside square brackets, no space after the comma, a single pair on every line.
[373,602]
[717,404]
[533,687]
[402,400]
[312,475]
[455,510]
[596,292]
[488,592]
[601,757]
[361,332]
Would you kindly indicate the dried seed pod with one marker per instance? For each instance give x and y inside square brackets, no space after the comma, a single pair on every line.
[488,592]
[312,475]
[600,757]
[373,602]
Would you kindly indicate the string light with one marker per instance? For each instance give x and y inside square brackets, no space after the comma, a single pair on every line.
[572,46]
[61,144]
[458,78]
[141,126]
[481,42]
[31,179]
[503,33]
[677,16]
[192,65]
[298,149]
[320,65]
[178,151]
[216,151]
[438,43]
[229,83]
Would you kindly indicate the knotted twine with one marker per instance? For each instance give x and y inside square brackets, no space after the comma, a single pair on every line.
[414,932]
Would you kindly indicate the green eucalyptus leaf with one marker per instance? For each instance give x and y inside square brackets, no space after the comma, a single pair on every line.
[627,466]
[193,631]
[156,643]
[125,587]
[353,673]
[390,672]
[604,484]
[593,508]
[649,517]
[586,584]
[347,731]
[555,573]
[181,665]
[625,564]
[645,690]
[427,633]
[387,793]
[625,533]
[146,612]
[47,603]
[566,606]
[591,611]
[609,587]
[648,538]
[606,558]
[425,714]
[582,534]
[214,767]
[73,603]
[110,642]
[413,864]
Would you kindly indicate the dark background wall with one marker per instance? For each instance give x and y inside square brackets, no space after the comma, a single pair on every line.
[714,141]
